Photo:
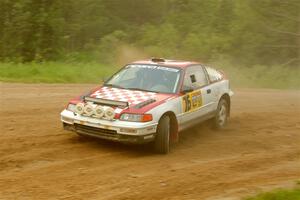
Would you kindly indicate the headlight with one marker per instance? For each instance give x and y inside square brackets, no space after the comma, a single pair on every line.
[136,117]
[71,107]
[109,113]
[79,108]
[88,110]
[99,111]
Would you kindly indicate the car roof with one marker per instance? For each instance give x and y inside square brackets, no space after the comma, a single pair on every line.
[165,62]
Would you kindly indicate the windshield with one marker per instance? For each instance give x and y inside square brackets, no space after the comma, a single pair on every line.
[151,78]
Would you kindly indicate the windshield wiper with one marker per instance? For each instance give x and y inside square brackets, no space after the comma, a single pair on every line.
[115,86]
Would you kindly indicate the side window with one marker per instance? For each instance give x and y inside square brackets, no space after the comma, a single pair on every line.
[195,77]
[213,74]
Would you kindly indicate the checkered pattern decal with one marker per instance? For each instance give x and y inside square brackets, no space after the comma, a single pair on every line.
[116,94]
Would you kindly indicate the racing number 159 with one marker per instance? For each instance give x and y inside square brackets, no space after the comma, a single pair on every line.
[191,101]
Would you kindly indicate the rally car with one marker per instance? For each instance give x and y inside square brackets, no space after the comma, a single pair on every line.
[151,101]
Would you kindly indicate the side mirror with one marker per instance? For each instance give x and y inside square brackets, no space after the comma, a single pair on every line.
[187,89]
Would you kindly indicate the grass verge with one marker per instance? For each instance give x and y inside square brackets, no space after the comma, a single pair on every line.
[54,72]
[293,194]
[64,72]
[259,76]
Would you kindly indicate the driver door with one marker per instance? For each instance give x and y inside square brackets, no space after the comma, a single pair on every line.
[196,103]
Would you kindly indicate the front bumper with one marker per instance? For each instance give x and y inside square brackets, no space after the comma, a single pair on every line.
[121,131]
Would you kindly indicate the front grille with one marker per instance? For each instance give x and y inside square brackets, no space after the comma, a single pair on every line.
[94,130]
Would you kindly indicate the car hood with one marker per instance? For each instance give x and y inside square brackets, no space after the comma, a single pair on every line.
[138,101]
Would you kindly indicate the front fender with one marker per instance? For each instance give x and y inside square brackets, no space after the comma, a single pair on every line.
[170,105]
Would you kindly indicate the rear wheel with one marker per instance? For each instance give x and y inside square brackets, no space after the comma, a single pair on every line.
[162,139]
[221,116]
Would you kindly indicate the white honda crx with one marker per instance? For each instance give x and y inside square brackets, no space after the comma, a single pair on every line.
[151,101]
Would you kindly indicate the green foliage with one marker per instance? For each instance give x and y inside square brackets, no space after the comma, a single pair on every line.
[108,47]
[159,40]
[265,32]
[278,195]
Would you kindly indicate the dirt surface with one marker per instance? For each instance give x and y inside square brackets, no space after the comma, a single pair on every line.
[259,149]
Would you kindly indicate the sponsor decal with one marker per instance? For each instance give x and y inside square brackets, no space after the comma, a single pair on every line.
[154,67]
[191,101]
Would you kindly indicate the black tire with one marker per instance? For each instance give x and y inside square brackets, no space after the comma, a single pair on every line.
[221,117]
[162,139]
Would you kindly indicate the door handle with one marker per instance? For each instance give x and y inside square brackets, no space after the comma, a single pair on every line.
[208,91]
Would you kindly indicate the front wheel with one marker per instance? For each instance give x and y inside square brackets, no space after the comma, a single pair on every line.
[162,139]
[220,119]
